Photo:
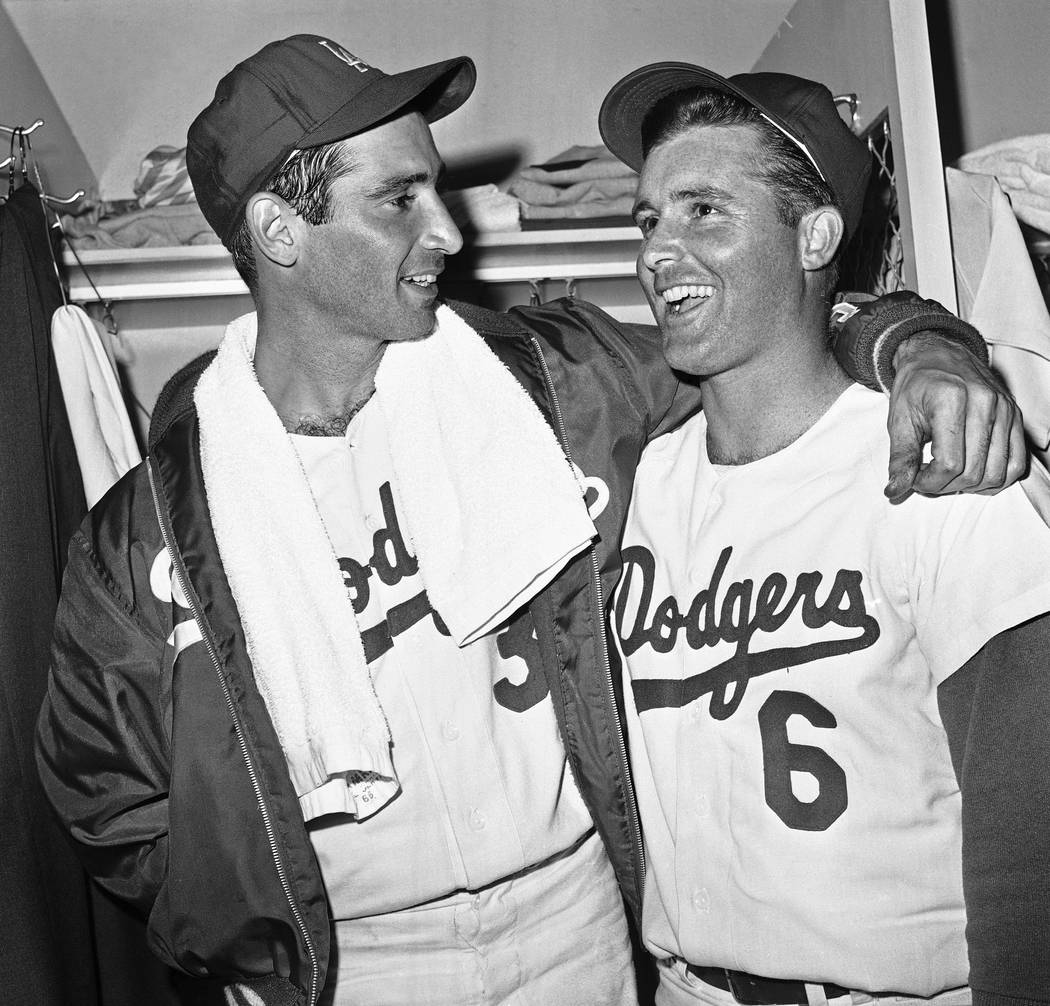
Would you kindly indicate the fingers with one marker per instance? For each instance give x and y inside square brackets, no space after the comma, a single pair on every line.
[978,446]
[978,461]
[1008,454]
[1017,461]
[999,450]
[906,442]
[948,423]
[968,417]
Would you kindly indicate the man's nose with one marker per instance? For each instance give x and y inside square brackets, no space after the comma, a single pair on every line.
[441,234]
[662,245]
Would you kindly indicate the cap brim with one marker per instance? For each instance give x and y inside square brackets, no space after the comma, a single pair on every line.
[434,90]
[630,100]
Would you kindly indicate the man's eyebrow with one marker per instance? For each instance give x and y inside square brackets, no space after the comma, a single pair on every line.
[693,193]
[398,183]
[643,205]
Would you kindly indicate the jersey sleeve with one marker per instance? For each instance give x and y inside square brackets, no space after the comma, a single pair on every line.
[975,565]
[994,710]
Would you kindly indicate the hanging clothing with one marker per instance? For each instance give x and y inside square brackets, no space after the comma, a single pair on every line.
[63,942]
[41,502]
[105,442]
[999,294]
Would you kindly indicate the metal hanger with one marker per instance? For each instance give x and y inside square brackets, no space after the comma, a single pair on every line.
[854,108]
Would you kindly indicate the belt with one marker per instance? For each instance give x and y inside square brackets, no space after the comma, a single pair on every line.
[751,990]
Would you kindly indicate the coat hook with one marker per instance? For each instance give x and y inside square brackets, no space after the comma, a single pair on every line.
[64,200]
[24,130]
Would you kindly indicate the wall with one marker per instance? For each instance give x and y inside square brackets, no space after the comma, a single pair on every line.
[991,70]
[130,76]
[26,97]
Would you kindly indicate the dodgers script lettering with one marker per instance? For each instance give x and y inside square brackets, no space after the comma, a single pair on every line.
[733,615]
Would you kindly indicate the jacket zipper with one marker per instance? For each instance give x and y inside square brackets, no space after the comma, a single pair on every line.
[637,849]
[264,811]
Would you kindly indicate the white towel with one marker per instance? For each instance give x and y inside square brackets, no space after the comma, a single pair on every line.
[102,434]
[490,505]
[490,501]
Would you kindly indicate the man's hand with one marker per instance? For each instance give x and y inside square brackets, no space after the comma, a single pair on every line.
[943,395]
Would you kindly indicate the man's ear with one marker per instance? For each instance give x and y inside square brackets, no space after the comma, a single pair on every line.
[274,226]
[820,232]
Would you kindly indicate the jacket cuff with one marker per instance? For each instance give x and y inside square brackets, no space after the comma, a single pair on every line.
[269,991]
[868,330]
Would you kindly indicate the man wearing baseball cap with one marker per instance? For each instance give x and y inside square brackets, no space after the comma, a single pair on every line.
[331,697]
[811,685]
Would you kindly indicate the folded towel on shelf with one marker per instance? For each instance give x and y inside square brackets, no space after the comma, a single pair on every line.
[1022,165]
[579,183]
[155,227]
[578,164]
[589,191]
[581,211]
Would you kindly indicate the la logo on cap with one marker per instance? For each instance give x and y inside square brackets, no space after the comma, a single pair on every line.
[347,57]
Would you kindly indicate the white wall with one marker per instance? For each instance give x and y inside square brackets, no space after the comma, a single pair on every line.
[131,76]
[24,98]
[992,70]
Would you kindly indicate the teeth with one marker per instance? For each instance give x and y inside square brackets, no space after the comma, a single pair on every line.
[424,279]
[675,294]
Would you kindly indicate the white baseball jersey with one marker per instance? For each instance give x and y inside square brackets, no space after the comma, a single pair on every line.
[784,631]
[485,786]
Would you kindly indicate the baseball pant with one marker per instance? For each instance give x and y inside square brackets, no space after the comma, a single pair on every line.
[554,934]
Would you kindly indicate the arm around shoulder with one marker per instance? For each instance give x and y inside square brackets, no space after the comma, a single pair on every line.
[942,392]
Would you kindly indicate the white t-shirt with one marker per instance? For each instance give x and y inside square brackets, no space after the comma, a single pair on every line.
[784,630]
[486,789]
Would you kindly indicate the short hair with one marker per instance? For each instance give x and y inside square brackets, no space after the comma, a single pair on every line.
[795,183]
[305,182]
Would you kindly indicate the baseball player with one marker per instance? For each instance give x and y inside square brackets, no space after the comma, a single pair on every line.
[836,706]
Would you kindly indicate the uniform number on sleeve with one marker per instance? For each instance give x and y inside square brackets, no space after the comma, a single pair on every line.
[781,757]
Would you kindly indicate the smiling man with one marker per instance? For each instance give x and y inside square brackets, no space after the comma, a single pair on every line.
[836,706]
[331,699]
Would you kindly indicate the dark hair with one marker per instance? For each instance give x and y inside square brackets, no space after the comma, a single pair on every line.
[796,185]
[305,182]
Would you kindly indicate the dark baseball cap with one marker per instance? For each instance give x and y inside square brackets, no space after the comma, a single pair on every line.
[803,110]
[295,93]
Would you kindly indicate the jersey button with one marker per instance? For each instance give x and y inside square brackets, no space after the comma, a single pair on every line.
[701,900]
[476,820]
[450,731]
